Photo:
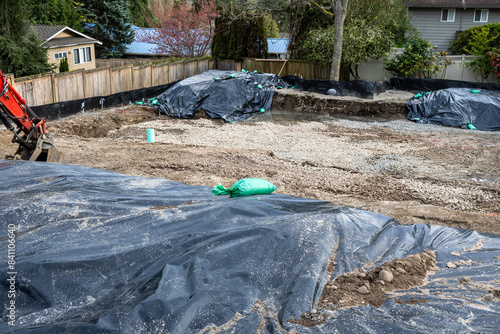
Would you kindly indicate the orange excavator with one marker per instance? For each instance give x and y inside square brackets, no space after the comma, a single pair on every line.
[35,144]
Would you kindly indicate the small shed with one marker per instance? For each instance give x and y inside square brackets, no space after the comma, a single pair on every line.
[277,48]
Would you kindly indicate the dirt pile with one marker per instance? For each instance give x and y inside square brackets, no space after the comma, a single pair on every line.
[388,105]
[363,288]
[99,124]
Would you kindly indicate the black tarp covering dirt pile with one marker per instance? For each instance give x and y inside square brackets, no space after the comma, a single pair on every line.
[230,95]
[427,85]
[463,107]
[361,89]
[101,252]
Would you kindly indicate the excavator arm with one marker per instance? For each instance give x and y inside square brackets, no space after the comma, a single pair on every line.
[35,144]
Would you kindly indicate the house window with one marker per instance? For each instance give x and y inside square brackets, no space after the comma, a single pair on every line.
[448,15]
[60,55]
[481,15]
[82,55]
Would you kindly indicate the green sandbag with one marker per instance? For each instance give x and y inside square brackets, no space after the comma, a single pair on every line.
[245,187]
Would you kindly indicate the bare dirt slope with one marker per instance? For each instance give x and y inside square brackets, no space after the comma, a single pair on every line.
[414,173]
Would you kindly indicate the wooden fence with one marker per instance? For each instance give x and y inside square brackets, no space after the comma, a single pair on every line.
[281,67]
[127,74]
[75,85]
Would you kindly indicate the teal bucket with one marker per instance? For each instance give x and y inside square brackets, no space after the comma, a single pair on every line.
[151,135]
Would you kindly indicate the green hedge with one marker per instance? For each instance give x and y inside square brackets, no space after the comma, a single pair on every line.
[457,47]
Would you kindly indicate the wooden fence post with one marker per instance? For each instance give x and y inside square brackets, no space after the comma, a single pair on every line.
[84,79]
[53,84]
[133,75]
[151,79]
[11,80]
[110,80]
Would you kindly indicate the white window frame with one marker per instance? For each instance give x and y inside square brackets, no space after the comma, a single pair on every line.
[448,18]
[60,55]
[481,15]
[84,55]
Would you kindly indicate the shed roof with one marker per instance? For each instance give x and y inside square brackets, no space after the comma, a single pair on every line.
[453,3]
[48,35]
[277,45]
[137,47]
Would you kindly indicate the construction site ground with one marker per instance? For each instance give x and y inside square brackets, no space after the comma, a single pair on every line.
[353,152]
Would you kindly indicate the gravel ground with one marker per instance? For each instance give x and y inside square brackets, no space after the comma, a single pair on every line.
[413,172]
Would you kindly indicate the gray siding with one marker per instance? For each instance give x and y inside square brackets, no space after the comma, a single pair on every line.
[440,34]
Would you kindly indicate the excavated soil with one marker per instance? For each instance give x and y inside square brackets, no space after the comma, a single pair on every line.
[371,287]
[353,152]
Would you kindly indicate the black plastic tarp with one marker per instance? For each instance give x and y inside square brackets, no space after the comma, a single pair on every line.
[101,252]
[230,95]
[461,107]
[67,108]
[361,89]
[427,85]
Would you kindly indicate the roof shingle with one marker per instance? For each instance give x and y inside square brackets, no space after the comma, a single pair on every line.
[454,3]
[44,31]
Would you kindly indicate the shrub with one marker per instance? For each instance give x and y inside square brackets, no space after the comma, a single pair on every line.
[494,59]
[416,61]
[63,65]
[479,44]
[461,45]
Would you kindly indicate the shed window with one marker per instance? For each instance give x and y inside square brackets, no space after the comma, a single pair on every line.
[82,55]
[448,15]
[481,15]
[60,55]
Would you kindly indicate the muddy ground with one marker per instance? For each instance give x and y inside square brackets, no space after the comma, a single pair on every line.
[360,153]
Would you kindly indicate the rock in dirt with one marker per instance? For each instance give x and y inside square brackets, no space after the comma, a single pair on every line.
[352,288]
[363,290]
[451,265]
[386,276]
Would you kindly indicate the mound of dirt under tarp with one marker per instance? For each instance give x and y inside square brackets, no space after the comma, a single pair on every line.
[463,107]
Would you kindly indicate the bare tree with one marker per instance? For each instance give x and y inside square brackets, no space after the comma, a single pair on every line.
[340,11]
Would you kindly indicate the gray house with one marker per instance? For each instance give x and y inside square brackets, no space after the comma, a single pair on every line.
[441,21]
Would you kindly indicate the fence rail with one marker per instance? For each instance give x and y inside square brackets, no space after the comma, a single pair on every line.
[113,78]
[119,75]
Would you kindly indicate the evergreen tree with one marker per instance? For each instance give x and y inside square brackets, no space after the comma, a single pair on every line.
[54,12]
[108,21]
[63,65]
[139,12]
[239,34]
[20,50]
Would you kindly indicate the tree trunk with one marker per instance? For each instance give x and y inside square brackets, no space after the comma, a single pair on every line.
[340,7]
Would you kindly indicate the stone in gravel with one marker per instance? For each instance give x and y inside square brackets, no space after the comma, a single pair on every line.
[451,265]
[363,290]
[401,270]
[386,276]
[465,280]
[455,253]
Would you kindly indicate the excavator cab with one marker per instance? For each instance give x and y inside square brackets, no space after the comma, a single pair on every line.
[35,144]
